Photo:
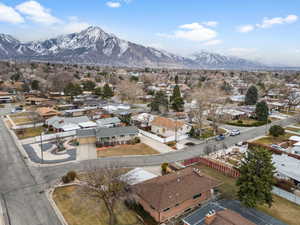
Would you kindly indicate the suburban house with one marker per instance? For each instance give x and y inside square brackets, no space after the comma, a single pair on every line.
[168,127]
[66,123]
[47,112]
[35,101]
[109,122]
[216,214]
[171,195]
[142,119]
[107,136]
[5,97]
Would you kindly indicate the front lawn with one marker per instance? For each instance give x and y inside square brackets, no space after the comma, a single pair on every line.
[282,209]
[137,149]
[21,120]
[78,210]
[29,132]
[209,132]
[273,140]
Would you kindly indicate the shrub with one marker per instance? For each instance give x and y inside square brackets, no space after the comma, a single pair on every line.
[136,140]
[164,168]
[71,175]
[276,131]
[65,179]
[240,121]
[99,144]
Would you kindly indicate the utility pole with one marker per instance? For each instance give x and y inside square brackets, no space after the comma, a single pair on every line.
[42,153]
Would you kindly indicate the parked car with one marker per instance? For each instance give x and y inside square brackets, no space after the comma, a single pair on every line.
[234,132]
[278,147]
[220,137]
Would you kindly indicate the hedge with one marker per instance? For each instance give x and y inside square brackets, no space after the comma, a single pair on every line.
[255,124]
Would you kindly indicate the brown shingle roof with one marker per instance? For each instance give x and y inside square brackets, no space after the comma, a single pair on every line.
[167,191]
[46,110]
[229,217]
[166,123]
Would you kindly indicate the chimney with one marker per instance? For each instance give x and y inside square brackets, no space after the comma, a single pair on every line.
[210,217]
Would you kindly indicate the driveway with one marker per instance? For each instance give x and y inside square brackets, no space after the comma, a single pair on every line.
[86,151]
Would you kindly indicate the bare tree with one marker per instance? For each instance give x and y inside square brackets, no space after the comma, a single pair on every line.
[129,91]
[291,97]
[210,102]
[107,185]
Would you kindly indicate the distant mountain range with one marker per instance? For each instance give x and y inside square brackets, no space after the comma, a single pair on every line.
[95,46]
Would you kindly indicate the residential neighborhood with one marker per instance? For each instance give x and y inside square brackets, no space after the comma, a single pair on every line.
[134,112]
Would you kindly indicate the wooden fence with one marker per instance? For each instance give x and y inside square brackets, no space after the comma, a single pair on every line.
[225,169]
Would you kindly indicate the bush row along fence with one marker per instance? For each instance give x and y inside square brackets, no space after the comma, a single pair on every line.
[275,151]
[227,170]
[163,140]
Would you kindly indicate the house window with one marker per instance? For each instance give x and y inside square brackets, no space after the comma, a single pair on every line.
[197,196]
[165,210]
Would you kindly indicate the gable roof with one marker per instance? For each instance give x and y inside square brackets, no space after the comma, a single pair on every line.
[106,121]
[46,110]
[116,131]
[166,123]
[229,217]
[167,191]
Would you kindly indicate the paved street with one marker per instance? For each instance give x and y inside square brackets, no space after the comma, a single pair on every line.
[21,186]
[20,192]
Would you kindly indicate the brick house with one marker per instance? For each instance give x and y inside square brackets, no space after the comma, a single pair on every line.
[171,195]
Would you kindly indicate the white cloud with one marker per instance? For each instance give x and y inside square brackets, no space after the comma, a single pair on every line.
[211,23]
[114,4]
[74,25]
[36,12]
[267,23]
[195,32]
[213,42]
[8,14]
[245,28]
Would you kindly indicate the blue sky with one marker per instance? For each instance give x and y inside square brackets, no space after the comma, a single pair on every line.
[263,30]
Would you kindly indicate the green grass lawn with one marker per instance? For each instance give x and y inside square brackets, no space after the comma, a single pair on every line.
[208,132]
[86,211]
[29,132]
[274,140]
[282,209]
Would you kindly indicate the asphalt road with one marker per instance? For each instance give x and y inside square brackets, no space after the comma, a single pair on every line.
[22,185]
[20,192]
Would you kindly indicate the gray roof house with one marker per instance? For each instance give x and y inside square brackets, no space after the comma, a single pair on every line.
[66,123]
[107,135]
[108,122]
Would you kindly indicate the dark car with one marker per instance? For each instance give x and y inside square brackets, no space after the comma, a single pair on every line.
[220,137]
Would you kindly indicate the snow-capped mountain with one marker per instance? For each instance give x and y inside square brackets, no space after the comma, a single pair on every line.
[213,60]
[95,46]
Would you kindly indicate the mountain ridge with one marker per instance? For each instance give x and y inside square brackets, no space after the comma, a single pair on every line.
[94,46]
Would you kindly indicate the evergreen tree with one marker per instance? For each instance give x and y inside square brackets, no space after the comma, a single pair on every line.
[256,178]
[176,100]
[251,96]
[160,101]
[98,91]
[262,111]
[35,85]
[176,79]
[88,85]
[72,89]
[107,91]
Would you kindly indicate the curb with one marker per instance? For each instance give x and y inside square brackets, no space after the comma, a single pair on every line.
[4,217]
[49,195]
